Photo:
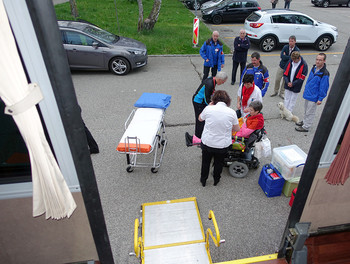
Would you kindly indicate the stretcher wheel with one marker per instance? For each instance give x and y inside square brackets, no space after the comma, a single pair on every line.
[154,170]
[129,169]
[238,169]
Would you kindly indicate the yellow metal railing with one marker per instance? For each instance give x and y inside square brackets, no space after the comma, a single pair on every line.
[137,239]
[216,240]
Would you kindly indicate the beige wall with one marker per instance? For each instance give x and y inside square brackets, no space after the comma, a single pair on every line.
[24,239]
[327,205]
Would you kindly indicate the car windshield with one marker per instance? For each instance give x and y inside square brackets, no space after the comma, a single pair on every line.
[101,34]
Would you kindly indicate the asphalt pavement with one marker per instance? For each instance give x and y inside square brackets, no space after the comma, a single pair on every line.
[251,223]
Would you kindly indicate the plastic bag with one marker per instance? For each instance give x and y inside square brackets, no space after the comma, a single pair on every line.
[266,146]
[258,150]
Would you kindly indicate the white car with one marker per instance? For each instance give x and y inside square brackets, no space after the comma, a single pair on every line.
[268,28]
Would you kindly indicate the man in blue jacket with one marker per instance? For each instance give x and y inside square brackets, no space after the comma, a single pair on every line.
[213,55]
[294,75]
[316,89]
[260,72]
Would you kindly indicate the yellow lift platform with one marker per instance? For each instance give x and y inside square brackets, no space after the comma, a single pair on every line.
[172,233]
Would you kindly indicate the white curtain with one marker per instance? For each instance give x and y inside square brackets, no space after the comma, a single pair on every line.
[51,194]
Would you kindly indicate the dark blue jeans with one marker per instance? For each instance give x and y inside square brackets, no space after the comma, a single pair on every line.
[206,70]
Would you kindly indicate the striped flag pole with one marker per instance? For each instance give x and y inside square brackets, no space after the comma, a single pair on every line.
[195,31]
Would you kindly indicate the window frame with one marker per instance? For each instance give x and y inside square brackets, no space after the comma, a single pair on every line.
[19,18]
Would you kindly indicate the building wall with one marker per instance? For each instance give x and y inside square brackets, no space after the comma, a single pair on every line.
[327,205]
[25,239]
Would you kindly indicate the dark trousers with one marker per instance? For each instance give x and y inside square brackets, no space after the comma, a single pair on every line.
[206,70]
[234,69]
[207,154]
[198,108]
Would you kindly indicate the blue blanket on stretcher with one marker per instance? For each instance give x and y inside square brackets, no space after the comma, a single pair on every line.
[153,100]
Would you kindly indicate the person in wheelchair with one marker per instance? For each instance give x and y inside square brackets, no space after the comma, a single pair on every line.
[249,124]
[253,121]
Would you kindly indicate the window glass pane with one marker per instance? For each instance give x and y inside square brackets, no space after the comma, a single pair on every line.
[248,4]
[14,157]
[235,5]
[75,38]
[284,19]
[303,20]
[341,137]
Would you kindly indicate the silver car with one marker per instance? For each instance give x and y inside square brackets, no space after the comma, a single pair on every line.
[210,4]
[89,47]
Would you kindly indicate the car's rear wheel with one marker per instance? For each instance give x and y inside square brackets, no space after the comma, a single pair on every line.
[217,19]
[268,43]
[348,4]
[323,43]
[325,3]
[119,66]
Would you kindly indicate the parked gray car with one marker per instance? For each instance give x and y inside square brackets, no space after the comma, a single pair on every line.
[327,3]
[89,47]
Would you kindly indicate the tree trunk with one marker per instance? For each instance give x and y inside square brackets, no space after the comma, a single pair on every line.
[73,8]
[140,22]
[149,23]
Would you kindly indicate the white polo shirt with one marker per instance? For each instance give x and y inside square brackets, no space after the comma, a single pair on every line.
[219,120]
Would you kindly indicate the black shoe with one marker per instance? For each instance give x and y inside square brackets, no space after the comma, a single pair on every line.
[282,96]
[203,183]
[188,138]
[216,183]
[301,129]
[301,123]
[274,94]
[232,83]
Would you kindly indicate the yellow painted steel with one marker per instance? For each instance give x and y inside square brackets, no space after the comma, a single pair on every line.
[251,260]
[137,240]
[216,240]
[211,216]
[174,244]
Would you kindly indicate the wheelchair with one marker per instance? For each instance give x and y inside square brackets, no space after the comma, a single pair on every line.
[239,162]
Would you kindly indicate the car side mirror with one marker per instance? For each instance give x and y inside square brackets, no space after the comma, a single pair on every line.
[95,44]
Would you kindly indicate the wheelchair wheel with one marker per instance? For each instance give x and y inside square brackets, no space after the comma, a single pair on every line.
[238,169]
[255,163]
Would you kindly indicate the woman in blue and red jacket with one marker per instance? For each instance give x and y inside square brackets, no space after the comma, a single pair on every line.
[294,75]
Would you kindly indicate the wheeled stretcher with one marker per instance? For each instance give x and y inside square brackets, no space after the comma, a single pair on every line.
[172,233]
[145,132]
